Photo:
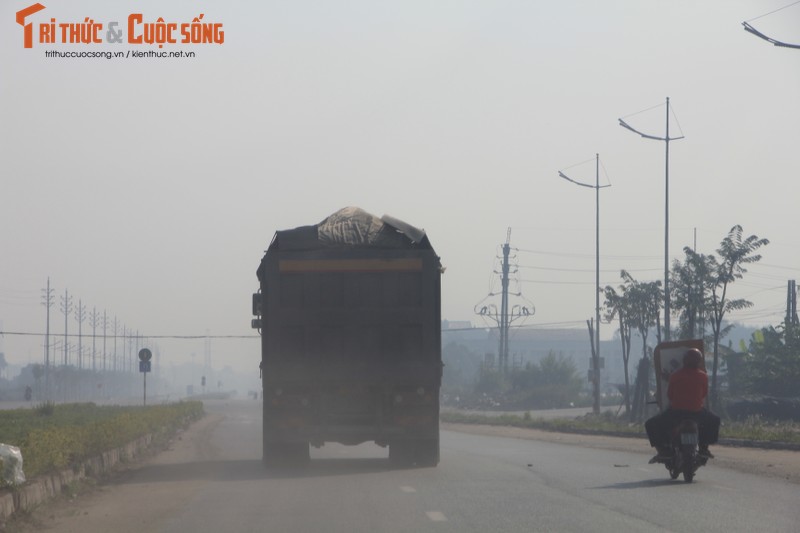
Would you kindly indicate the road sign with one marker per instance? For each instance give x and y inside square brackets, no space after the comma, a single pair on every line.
[144,368]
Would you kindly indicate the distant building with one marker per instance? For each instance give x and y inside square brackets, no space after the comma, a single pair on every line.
[456,324]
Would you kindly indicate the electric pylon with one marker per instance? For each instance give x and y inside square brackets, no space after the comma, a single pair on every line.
[504,316]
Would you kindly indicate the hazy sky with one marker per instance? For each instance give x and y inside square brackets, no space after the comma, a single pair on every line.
[150,187]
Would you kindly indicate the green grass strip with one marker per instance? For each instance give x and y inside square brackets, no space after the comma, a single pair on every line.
[753,429]
[52,437]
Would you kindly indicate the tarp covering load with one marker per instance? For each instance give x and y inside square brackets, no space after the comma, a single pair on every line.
[352,227]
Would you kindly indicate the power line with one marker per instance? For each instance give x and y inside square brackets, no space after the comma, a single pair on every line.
[549,282]
[579,164]
[589,269]
[796,269]
[136,336]
[643,111]
[574,254]
[27,301]
[775,11]
[574,324]
[770,277]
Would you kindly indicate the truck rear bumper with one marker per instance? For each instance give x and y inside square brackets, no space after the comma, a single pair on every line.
[294,430]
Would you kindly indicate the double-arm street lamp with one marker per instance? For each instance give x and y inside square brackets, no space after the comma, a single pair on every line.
[666,138]
[596,351]
[767,38]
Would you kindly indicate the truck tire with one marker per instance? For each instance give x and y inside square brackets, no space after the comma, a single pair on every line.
[400,453]
[298,453]
[286,454]
[427,452]
[416,452]
[272,455]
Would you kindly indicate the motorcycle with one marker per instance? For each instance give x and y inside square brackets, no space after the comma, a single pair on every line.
[685,458]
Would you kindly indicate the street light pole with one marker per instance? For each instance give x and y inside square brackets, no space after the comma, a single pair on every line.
[666,140]
[666,232]
[596,351]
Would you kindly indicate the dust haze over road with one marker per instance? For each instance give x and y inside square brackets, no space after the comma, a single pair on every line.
[212,479]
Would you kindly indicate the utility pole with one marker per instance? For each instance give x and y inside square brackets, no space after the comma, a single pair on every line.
[93,321]
[138,343]
[666,140]
[66,308]
[133,343]
[105,329]
[125,333]
[47,301]
[504,321]
[207,356]
[507,313]
[791,305]
[80,316]
[116,331]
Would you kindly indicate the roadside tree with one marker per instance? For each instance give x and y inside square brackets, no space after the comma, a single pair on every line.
[644,301]
[638,305]
[735,251]
[616,306]
[772,366]
[691,294]
[552,383]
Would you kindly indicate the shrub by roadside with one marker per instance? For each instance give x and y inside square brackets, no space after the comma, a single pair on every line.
[53,437]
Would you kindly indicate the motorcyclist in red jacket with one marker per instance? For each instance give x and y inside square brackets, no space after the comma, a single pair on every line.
[687,392]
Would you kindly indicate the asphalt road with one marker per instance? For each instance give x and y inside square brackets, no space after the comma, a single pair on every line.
[212,480]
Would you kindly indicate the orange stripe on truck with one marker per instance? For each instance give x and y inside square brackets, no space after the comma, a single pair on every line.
[351,265]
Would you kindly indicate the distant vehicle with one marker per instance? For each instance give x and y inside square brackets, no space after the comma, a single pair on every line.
[349,312]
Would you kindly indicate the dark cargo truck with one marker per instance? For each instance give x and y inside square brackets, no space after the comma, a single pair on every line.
[350,322]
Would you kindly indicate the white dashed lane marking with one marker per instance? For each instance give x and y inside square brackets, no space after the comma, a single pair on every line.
[433,516]
[720,487]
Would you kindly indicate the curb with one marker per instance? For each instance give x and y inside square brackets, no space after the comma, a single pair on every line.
[761,444]
[47,487]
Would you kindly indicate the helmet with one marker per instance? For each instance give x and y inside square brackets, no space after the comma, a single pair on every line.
[693,358]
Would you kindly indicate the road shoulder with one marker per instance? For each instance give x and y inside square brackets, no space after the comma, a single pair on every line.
[782,464]
[144,492]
